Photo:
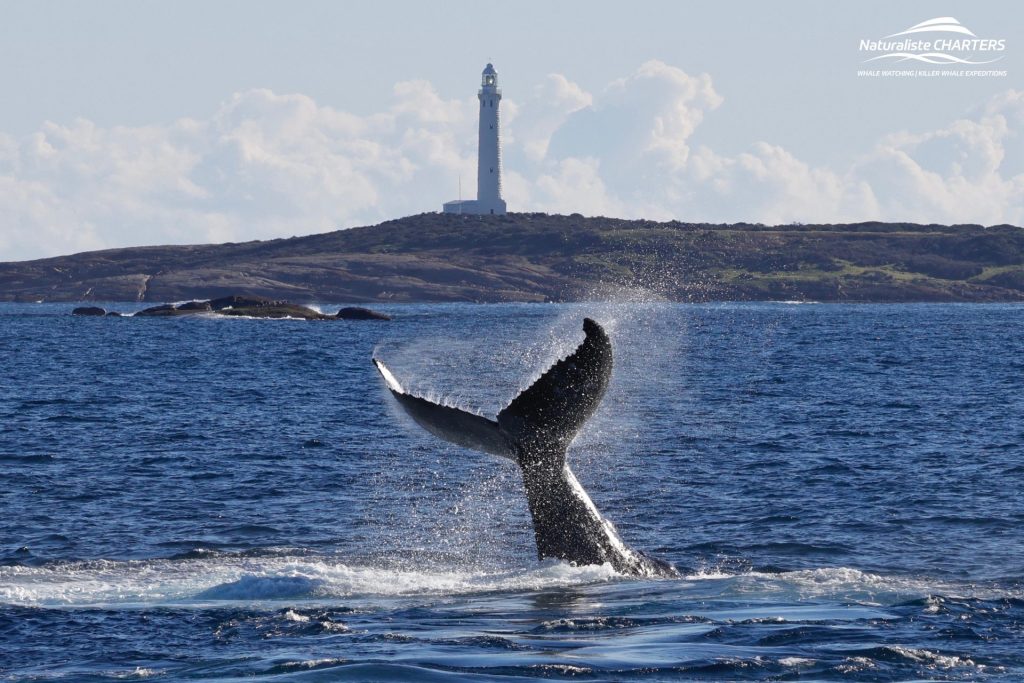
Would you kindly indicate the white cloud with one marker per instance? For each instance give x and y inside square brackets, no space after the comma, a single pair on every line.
[967,172]
[549,105]
[264,165]
[269,165]
[639,134]
[574,186]
[639,127]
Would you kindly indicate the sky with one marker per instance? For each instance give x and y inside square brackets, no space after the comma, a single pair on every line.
[135,123]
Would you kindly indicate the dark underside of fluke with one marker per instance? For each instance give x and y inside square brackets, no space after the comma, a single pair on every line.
[535,431]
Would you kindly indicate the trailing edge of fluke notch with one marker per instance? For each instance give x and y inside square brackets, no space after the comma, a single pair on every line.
[535,431]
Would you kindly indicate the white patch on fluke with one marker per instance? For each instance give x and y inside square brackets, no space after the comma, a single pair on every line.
[393,383]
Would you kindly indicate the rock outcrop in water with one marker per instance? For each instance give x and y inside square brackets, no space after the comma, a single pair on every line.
[247,306]
[539,257]
[89,310]
[360,313]
[252,307]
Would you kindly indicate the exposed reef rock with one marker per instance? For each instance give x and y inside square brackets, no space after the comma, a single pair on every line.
[197,306]
[235,301]
[88,310]
[360,313]
[162,309]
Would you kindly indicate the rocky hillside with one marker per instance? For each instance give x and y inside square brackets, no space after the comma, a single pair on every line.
[538,257]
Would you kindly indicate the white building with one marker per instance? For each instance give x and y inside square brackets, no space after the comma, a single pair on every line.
[488,171]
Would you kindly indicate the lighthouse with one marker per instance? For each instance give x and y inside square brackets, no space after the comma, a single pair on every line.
[488,170]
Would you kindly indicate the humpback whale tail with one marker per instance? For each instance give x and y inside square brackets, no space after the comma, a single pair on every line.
[535,431]
[540,422]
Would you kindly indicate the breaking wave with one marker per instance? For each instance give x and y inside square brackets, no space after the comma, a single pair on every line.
[198,581]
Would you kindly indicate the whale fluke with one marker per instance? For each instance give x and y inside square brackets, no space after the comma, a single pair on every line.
[548,414]
[535,430]
[459,427]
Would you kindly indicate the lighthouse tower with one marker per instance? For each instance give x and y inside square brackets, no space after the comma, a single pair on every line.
[488,170]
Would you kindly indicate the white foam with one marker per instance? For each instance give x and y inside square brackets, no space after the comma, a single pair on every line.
[855,665]
[313,663]
[710,575]
[855,585]
[138,672]
[202,581]
[215,579]
[933,659]
[796,661]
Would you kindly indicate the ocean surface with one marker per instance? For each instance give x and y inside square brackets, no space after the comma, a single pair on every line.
[202,499]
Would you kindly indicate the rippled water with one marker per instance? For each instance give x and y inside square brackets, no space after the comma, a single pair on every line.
[220,499]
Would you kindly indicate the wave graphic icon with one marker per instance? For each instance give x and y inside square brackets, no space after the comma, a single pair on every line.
[931,58]
[943,24]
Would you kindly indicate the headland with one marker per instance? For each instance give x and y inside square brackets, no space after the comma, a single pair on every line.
[538,257]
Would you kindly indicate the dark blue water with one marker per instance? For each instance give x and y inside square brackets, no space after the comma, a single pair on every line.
[221,499]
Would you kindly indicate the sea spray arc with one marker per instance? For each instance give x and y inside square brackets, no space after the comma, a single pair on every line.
[535,431]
